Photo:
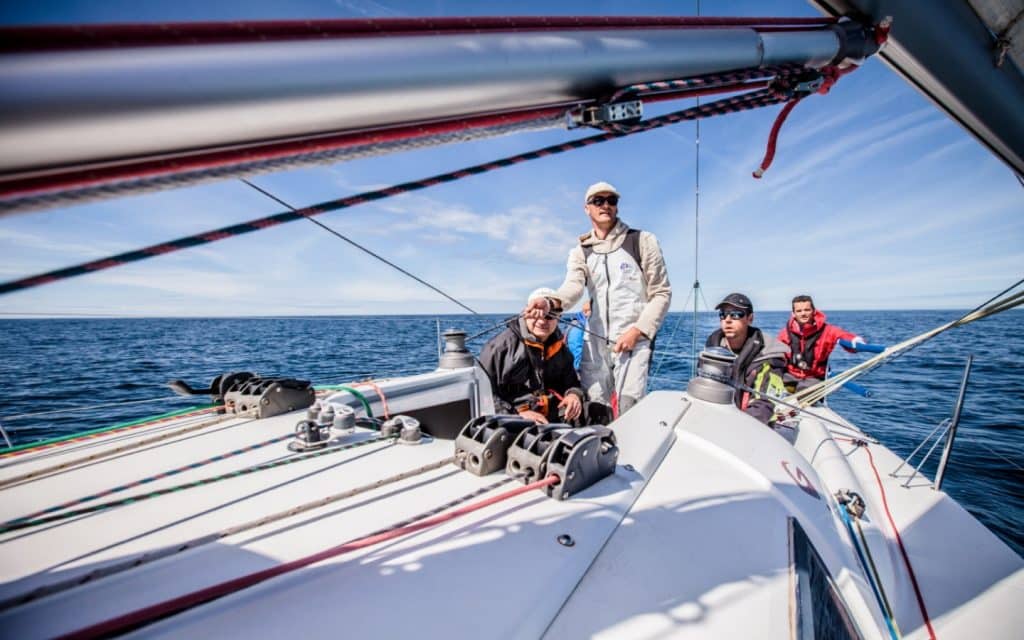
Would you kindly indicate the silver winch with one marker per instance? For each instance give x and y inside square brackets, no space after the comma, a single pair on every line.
[713,381]
[455,355]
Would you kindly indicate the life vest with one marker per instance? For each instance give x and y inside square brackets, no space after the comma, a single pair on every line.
[618,290]
[802,347]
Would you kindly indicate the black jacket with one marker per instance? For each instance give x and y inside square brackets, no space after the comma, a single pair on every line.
[519,367]
[759,365]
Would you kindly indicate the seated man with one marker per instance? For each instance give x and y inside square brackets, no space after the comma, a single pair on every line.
[760,359]
[811,341]
[531,369]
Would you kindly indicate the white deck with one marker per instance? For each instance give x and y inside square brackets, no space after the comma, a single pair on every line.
[690,540]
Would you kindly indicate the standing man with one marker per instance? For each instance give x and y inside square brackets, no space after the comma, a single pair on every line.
[811,341]
[624,271]
[760,359]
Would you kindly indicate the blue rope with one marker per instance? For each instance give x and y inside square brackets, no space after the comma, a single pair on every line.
[889,622]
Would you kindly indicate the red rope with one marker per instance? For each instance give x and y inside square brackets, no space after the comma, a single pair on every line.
[831,76]
[773,137]
[380,393]
[151,613]
[899,541]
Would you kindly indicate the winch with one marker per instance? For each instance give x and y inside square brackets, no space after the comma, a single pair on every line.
[246,392]
[482,446]
[579,456]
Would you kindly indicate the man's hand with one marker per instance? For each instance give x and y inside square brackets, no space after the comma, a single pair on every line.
[627,340]
[571,406]
[537,308]
[857,341]
[533,415]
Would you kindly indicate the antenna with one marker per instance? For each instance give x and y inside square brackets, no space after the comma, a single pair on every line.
[696,239]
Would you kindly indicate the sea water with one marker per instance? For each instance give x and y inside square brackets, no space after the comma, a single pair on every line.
[53,364]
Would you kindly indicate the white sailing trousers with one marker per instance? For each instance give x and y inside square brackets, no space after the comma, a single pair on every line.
[604,372]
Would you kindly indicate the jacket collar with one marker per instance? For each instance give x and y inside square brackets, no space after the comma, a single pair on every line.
[613,240]
[816,323]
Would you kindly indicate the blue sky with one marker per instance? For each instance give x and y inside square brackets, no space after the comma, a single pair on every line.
[875,200]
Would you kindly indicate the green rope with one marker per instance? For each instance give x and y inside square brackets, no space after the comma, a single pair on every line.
[15,525]
[358,395]
[122,425]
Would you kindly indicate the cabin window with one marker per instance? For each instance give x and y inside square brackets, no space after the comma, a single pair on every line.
[819,610]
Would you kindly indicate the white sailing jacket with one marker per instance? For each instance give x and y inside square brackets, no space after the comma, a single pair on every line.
[622,294]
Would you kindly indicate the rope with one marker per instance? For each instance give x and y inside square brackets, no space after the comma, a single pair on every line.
[994,305]
[883,603]
[76,187]
[380,393]
[773,137]
[26,522]
[82,436]
[878,578]
[734,104]
[359,396]
[154,612]
[45,471]
[194,543]
[84,407]
[899,541]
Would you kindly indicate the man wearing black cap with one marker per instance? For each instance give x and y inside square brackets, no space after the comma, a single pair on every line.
[760,359]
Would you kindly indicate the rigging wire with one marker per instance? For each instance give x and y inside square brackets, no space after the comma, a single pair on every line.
[696,237]
[360,247]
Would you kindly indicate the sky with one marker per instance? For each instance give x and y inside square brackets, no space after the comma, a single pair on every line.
[875,201]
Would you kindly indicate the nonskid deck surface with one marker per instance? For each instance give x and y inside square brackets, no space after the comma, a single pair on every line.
[522,528]
[691,534]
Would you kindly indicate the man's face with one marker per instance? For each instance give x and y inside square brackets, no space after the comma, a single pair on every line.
[803,312]
[603,209]
[544,327]
[734,321]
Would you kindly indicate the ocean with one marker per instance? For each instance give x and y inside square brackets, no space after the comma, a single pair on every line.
[52,364]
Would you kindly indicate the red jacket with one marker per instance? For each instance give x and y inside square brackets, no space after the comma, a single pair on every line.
[812,343]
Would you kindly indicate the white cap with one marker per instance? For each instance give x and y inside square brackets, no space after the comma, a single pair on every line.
[543,292]
[600,187]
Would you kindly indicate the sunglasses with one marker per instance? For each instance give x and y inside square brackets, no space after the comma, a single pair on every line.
[734,314]
[554,314]
[598,201]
